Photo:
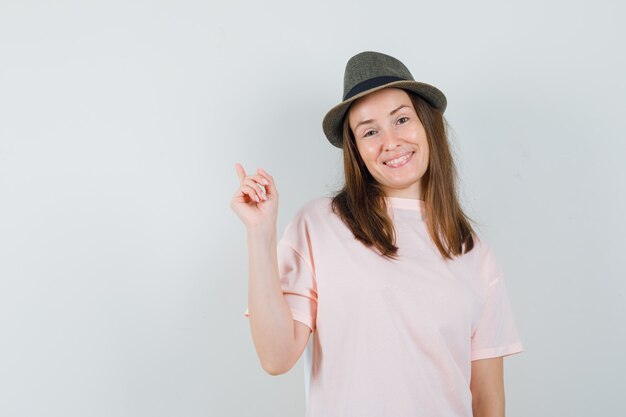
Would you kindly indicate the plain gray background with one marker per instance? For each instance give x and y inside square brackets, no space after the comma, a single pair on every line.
[123,275]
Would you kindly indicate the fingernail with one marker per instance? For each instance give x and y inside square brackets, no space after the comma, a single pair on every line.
[264,181]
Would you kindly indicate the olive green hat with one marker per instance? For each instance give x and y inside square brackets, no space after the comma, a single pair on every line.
[367,72]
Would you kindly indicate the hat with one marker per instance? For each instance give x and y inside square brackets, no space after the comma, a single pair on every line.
[367,72]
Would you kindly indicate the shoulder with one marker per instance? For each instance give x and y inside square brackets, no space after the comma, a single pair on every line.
[315,208]
[481,258]
[310,222]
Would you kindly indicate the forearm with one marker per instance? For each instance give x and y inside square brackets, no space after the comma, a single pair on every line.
[271,321]
[488,404]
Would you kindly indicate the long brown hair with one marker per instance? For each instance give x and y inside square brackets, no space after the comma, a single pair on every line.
[361,202]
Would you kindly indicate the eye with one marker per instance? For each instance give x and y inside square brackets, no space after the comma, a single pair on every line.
[403,119]
[366,134]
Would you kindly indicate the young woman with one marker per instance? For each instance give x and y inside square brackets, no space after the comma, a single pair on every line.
[407,305]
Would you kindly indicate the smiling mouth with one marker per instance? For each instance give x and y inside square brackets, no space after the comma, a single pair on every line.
[398,162]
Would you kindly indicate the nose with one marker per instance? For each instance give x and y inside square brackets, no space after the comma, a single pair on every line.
[391,140]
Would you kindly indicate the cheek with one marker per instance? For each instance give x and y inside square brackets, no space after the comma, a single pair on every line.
[423,143]
[426,160]
[368,153]
[426,154]
[425,149]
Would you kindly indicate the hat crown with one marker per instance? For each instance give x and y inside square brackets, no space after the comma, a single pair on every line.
[370,65]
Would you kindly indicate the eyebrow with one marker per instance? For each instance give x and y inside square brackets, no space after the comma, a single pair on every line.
[371,120]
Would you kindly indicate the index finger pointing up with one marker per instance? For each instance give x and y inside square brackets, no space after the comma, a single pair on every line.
[240,172]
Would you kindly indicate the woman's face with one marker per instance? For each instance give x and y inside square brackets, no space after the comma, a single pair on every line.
[391,140]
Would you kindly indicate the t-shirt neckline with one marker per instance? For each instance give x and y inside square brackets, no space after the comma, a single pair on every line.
[407,204]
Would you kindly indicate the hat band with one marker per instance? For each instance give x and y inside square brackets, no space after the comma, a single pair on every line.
[371,83]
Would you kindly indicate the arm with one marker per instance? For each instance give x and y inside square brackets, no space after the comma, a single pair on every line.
[278,339]
[487,386]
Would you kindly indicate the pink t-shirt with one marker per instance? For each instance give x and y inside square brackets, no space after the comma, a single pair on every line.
[392,338]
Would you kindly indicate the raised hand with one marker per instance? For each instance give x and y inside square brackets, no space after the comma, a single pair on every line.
[256,199]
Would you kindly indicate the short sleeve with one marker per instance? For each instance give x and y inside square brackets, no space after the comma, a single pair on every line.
[297,271]
[298,283]
[496,333]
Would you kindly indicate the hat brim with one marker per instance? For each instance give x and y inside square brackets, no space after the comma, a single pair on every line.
[333,121]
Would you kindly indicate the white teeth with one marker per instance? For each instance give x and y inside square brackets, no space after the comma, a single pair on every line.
[399,160]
